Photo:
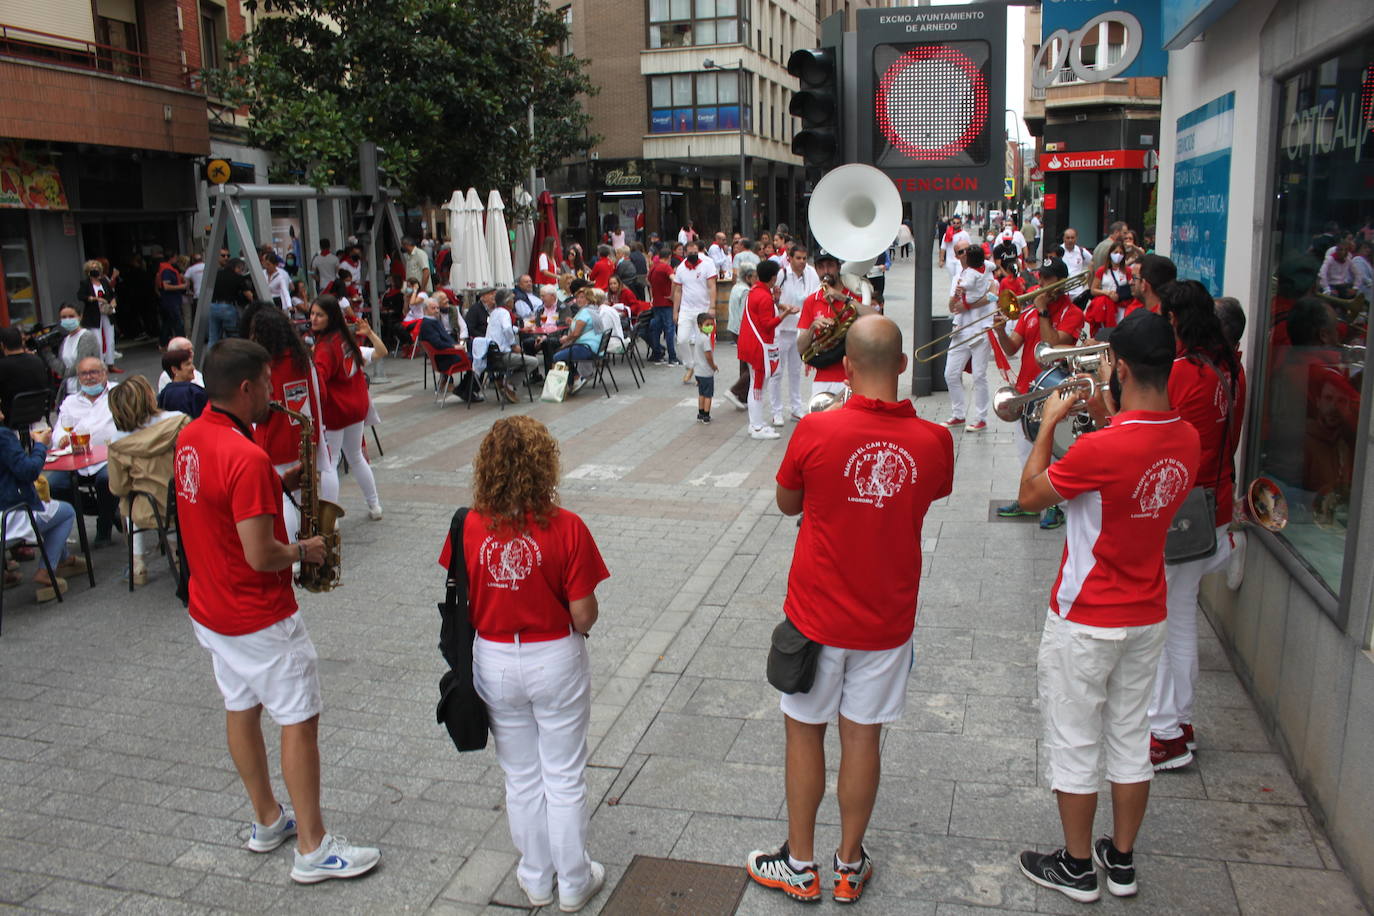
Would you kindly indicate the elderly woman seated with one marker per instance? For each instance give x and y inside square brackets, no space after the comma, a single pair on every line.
[141,458]
[19,469]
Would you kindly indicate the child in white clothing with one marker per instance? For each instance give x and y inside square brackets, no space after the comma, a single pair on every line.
[704,364]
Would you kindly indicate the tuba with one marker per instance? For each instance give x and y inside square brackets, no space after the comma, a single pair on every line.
[319,518]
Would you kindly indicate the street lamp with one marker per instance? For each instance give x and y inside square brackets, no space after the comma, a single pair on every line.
[709,64]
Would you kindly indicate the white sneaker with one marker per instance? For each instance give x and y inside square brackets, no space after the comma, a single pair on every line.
[334,859]
[763,432]
[798,415]
[573,904]
[543,899]
[268,838]
[374,511]
[779,420]
[730,396]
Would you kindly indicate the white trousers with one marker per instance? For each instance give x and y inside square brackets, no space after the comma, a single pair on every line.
[349,441]
[686,332]
[539,701]
[754,402]
[329,488]
[978,350]
[1176,677]
[791,366]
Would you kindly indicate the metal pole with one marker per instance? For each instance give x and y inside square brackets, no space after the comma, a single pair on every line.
[923,220]
[743,180]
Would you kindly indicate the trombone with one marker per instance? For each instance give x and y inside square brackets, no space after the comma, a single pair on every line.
[1009,306]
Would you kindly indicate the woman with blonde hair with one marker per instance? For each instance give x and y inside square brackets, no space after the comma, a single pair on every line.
[533,568]
[141,455]
[97,295]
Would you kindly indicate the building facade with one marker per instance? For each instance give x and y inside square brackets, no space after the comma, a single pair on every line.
[687,88]
[1267,163]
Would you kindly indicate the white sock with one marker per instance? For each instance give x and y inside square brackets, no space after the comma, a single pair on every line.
[797,864]
[852,866]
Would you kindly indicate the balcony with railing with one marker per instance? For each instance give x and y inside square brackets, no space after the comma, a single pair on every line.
[80,54]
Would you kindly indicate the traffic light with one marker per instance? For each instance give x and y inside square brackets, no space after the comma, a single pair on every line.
[817,103]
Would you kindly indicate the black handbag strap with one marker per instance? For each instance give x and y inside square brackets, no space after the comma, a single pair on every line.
[456,594]
[1230,409]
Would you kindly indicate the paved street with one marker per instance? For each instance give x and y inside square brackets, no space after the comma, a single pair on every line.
[117,793]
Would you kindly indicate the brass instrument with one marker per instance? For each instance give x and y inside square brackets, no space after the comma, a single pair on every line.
[1010,306]
[1010,406]
[1085,358]
[827,400]
[319,517]
[1265,504]
[832,335]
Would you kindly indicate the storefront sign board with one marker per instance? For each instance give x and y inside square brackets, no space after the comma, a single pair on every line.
[1202,186]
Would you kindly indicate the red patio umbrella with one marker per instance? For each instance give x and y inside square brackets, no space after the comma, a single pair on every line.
[547,227]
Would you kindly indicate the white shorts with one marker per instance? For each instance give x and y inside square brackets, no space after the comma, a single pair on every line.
[828,387]
[868,688]
[276,667]
[1095,687]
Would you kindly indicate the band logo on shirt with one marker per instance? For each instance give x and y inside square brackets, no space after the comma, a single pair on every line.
[1159,486]
[296,394]
[508,563]
[188,473]
[878,471]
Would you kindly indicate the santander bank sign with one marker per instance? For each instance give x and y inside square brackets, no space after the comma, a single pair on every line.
[1093,160]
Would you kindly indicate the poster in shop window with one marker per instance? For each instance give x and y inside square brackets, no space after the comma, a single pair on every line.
[1202,190]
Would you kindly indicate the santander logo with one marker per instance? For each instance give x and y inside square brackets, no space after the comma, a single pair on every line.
[1054,163]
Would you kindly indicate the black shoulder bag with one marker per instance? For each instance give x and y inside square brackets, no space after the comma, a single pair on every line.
[460,709]
[792,659]
[1192,534]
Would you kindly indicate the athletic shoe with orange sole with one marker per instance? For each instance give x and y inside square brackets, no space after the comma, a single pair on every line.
[772,869]
[850,882]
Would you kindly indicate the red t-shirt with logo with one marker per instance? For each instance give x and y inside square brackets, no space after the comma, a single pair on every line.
[868,472]
[1123,485]
[817,306]
[523,582]
[223,477]
[661,284]
[344,387]
[1202,398]
[1064,316]
[280,435]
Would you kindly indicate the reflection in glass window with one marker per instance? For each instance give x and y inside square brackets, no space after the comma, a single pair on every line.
[660,92]
[682,89]
[679,23]
[1312,340]
[706,89]
[687,102]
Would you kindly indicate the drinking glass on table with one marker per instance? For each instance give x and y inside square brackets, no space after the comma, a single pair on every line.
[81,440]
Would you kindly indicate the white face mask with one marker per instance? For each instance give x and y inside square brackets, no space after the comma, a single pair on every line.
[1116,257]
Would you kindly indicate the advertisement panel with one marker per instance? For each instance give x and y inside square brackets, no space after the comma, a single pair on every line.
[1202,189]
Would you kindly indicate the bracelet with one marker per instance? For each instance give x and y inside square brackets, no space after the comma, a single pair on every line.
[300,549]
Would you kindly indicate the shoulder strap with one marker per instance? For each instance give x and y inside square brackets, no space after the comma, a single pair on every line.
[1230,409]
[457,582]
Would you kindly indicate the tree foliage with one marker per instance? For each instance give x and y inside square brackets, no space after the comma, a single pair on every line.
[443,86]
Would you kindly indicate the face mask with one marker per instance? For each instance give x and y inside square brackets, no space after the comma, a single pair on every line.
[991,237]
[1116,257]
[92,390]
[1114,386]
[692,259]
[70,324]
[94,273]
[708,328]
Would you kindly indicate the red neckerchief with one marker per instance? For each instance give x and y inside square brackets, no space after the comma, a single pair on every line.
[949,235]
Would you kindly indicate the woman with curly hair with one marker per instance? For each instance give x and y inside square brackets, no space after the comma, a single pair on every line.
[533,569]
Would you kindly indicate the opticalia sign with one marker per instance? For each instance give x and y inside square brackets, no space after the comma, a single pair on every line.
[1094,160]
[931,98]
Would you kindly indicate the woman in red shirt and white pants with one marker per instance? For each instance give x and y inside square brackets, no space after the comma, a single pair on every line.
[762,313]
[533,569]
[343,388]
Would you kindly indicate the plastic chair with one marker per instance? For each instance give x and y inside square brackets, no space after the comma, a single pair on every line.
[163,528]
[27,408]
[33,522]
[603,366]
[463,364]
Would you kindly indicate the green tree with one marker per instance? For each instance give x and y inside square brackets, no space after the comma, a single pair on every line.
[443,86]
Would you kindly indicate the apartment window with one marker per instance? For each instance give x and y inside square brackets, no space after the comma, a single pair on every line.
[212,34]
[565,47]
[680,23]
[689,102]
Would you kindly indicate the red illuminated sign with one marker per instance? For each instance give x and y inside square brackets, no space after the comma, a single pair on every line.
[922,185]
[932,102]
[1051,201]
[1094,160]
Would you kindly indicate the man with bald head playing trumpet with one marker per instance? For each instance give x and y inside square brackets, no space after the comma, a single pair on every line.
[864,473]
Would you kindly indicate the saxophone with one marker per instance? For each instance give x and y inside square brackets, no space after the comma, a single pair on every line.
[319,518]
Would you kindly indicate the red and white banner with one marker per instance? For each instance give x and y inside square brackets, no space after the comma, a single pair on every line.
[1093,160]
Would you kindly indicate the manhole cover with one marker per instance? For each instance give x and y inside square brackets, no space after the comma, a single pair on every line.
[651,887]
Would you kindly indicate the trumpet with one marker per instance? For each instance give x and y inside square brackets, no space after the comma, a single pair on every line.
[1010,406]
[1086,358]
[1265,505]
[1010,306]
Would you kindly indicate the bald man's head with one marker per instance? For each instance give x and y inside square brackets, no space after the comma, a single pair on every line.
[873,347]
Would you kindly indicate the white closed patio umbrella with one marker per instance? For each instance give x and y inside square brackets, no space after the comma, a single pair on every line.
[476,266]
[498,243]
[524,231]
[455,206]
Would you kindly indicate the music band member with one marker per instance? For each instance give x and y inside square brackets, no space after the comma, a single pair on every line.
[1054,318]
[1106,623]
[972,305]
[864,473]
[1207,387]
[818,315]
[243,609]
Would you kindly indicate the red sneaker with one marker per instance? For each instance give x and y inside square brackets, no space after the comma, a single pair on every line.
[1169,754]
[115,370]
[1188,738]
[977,427]
[953,422]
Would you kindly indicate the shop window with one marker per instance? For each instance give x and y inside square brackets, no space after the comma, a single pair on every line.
[1311,339]
[19,298]
[690,102]
[680,23]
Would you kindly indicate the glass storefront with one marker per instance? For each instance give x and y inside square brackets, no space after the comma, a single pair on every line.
[1314,334]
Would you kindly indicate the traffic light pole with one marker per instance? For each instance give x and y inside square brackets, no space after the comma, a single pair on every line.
[922,221]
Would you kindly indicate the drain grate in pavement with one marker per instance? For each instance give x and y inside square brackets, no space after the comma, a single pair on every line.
[666,887]
[995,504]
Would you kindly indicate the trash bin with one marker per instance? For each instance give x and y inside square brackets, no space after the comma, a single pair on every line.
[940,324]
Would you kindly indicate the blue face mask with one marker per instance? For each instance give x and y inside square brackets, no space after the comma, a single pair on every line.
[70,324]
[93,390]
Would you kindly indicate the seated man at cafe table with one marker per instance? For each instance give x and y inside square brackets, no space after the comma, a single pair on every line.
[86,414]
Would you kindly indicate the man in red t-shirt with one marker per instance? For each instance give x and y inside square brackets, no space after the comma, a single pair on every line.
[244,611]
[865,473]
[1106,623]
[1054,320]
[820,311]
[661,317]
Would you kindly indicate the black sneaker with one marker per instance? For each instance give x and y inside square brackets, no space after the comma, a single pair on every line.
[704,418]
[1053,870]
[772,869]
[1119,866]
